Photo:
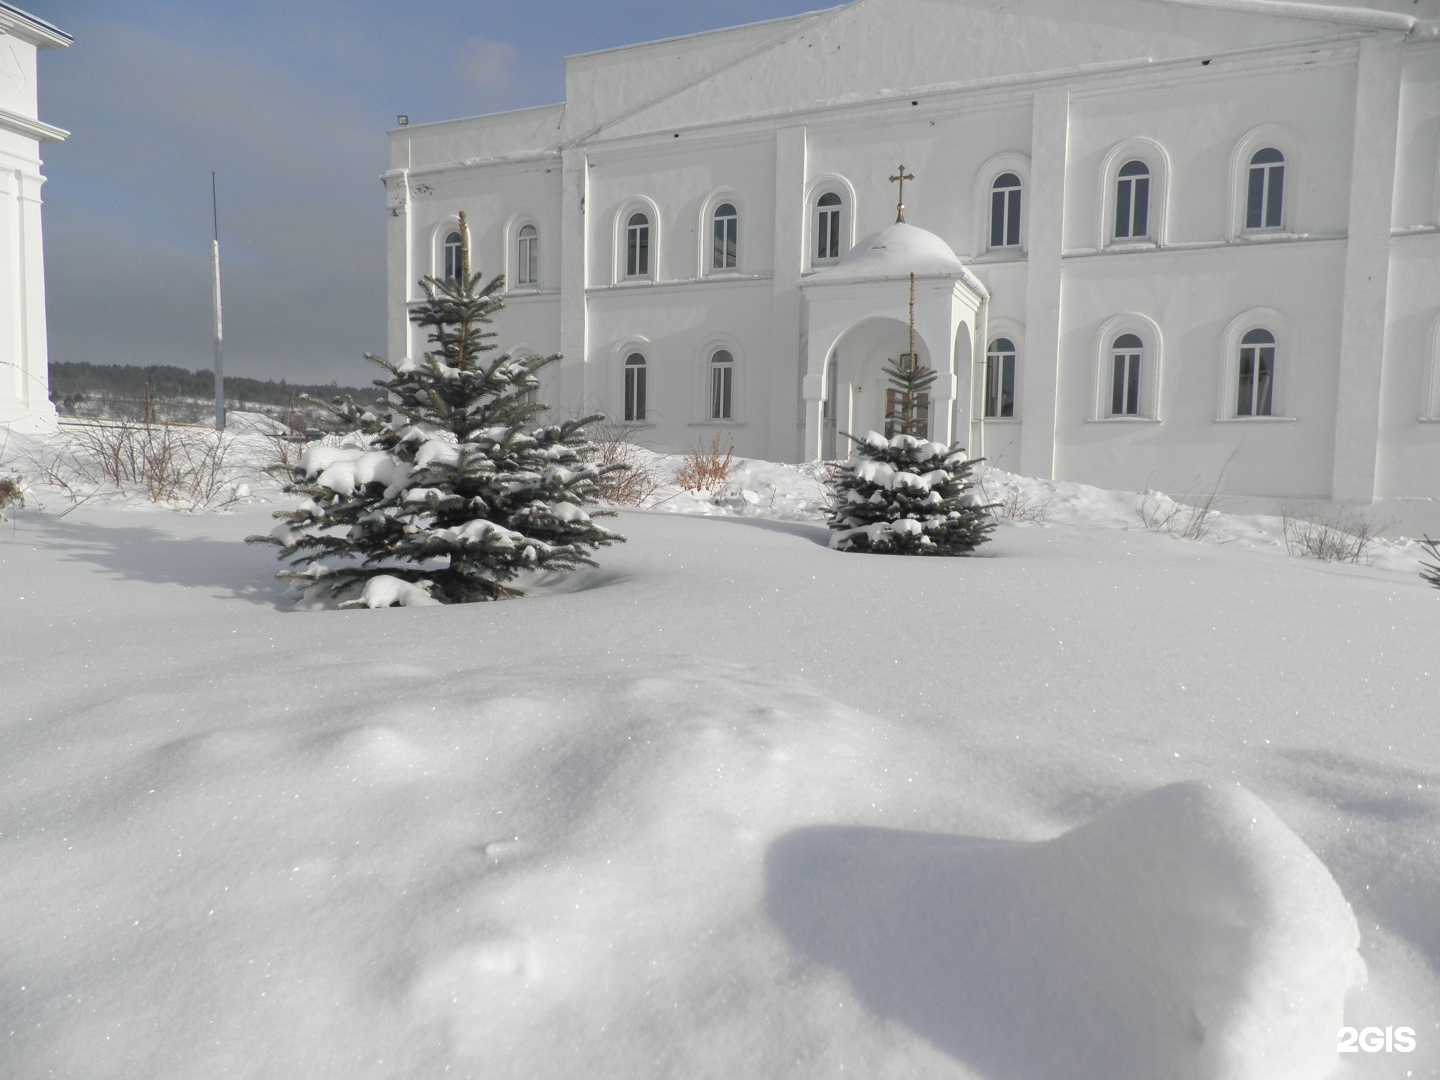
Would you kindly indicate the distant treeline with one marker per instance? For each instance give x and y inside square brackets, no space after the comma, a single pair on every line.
[71,382]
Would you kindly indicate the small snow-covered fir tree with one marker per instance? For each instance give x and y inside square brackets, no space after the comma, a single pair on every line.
[900,493]
[449,487]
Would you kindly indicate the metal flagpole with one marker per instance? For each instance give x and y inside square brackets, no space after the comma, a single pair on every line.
[219,356]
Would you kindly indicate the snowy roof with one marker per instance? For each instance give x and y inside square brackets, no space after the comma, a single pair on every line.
[897,251]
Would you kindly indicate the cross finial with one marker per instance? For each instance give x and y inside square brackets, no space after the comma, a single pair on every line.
[900,202]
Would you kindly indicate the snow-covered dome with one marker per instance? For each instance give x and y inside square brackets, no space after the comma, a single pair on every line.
[895,252]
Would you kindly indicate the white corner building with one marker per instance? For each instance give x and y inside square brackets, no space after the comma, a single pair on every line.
[1156,243]
[24,373]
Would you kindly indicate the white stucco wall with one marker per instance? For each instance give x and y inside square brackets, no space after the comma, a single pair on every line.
[767,117]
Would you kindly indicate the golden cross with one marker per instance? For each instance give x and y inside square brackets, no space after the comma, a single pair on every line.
[900,203]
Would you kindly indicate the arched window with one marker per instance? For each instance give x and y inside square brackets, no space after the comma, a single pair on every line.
[727,234]
[454,257]
[1005,211]
[637,246]
[634,387]
[1000,379]
[828,209]
[527,257]
[1255,392]
[1132,201]
[722,384]
[1265,191]
[1127,356]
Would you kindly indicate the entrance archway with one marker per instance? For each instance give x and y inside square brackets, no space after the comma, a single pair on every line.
[856,382]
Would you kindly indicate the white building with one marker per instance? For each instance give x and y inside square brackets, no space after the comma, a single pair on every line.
[1164,243]
[24,376]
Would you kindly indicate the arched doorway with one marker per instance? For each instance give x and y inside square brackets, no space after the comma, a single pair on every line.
[856,382]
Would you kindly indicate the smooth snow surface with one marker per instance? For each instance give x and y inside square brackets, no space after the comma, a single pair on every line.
[731,805]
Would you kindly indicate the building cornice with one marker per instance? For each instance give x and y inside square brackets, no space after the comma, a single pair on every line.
[30,127]
[1096,77]
[519,163]
[1289,9]
[23,25]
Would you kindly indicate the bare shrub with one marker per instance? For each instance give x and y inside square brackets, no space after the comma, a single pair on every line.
[282,451]
[705,468]
[1431,571]
[12,488]
[614,444]
[1015,502]
[1188,521]
[1341,536]
[165,462]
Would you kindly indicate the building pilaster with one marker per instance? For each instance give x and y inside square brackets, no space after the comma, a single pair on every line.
[1045,223]
[581,388]
[787,307]
[1367,269]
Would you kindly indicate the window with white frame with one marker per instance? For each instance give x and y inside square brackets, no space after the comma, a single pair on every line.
[722,385]
[1132,201]
[637,246]
[453,259]
[1005,195]
[1255,374]
[1000,380]
[1127,356]
[1265,190]
[829,209]
[527,256]
[726,235]
[635,368]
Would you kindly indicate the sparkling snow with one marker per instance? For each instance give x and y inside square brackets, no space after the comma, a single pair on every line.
[731,805]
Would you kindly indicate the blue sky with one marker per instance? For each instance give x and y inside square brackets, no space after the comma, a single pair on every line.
[289,103]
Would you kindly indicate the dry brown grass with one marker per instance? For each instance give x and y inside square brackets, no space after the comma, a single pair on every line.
[12,493]
[706,468]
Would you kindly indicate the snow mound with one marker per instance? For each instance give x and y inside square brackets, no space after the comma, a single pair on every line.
[1186,934]
[385,591]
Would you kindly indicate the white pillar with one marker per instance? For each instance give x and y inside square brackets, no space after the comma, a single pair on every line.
[787,307]
[581,390]
[401,278]
[24,346]
[936,324]
[1367,268]
[1045,223]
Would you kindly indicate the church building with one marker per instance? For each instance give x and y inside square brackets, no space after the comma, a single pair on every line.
[1155,243]
[24,373]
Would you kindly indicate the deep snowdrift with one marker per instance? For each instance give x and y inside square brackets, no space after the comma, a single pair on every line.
[571,835]
[1187,933]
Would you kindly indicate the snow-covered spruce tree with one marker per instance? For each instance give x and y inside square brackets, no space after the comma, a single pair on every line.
[1431,571]
[449,487]
[906,495]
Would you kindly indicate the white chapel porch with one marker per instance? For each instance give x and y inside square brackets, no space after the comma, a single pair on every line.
[858,316]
